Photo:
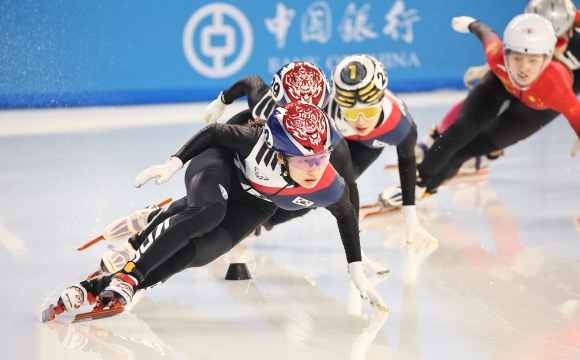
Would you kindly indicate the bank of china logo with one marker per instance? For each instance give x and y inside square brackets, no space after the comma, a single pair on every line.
[259,174]
[224,192]
[302,202]
[217,40]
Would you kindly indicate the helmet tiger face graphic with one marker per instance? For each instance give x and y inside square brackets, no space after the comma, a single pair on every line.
[300,81]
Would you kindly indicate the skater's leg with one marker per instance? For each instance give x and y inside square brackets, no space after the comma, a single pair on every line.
[481,145]
[198,252]
[449,117]
[244,214]
[173,209]
[517,123]
[207,182]
[477,113]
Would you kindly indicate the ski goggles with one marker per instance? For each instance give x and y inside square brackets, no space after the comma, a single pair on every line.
[310,162]
[366,112]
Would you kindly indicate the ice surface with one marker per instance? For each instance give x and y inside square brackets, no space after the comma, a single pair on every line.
[502,284]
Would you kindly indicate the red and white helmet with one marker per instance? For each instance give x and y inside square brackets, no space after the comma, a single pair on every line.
[299,129]
[300,81]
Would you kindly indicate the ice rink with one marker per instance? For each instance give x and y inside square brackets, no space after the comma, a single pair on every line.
[503,282]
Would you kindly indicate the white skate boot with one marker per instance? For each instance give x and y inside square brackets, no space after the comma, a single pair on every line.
[427,141]
[390,198]
[77,296]
[116,258]
[123,228]
[119,292]
[480,164]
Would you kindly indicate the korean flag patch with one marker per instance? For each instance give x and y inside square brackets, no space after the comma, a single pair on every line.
[377,143]
[302,202]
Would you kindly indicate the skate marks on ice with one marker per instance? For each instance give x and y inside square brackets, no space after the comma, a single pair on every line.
[513,300]
[485,287]
[279,314]
[12,243]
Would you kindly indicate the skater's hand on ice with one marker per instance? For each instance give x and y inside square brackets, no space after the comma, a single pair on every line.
[414,227]
[461,23]
[161,172]
[366,289]
[372,265]
[214,110]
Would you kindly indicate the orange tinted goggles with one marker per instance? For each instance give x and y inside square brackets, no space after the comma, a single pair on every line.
[366,112]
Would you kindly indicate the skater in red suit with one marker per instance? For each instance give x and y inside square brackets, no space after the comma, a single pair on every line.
[565,18]
[521,69]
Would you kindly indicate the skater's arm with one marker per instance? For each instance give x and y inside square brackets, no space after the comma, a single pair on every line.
[240,139]
[491,42]
[571,110]
[347,222]
[341,160]
[251,86]
[241,118]
[408,166]
[559,80]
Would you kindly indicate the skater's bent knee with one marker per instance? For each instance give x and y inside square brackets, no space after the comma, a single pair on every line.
[211,246]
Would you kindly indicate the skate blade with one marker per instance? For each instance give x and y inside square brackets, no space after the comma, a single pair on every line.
[477,172]
[365,209]
[95,274]
[98,314]
[48,314]
[382,212]
[477,178]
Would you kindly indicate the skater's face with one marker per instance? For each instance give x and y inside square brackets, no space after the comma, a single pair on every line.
[307,176]
[363,120]
[525,68]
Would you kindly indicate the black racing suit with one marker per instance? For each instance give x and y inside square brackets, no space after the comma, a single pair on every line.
[207,223]
[261,105]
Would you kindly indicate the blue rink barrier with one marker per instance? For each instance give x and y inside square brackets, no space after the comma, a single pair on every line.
[72,53]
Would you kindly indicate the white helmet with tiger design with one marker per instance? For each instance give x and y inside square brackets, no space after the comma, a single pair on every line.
[358,81]
[300,81]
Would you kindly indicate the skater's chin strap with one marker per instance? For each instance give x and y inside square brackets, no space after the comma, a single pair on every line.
[286,174]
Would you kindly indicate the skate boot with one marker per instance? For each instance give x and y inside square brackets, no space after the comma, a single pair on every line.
[118,293]
[427,141]
[390,198]
[115,259]
[480,164]
[123,228]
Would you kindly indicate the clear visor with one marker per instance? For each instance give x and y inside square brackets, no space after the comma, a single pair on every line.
[524,69]
[311,162]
